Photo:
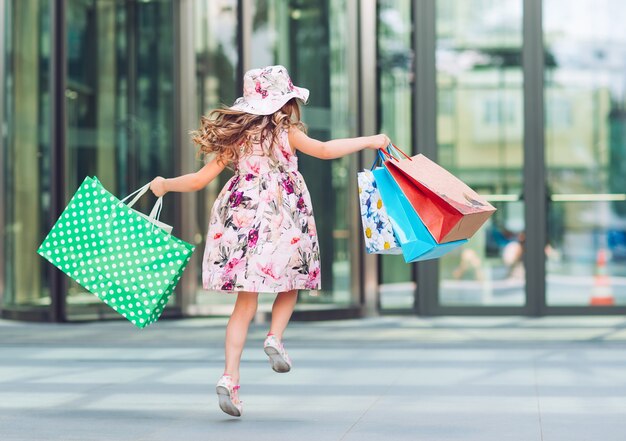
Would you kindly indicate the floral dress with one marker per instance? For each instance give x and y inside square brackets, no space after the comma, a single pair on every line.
[262,235]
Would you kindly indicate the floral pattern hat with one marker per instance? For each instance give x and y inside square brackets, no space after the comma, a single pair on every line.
[266,90]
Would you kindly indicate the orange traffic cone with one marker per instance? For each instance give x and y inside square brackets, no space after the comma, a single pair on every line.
[601,293]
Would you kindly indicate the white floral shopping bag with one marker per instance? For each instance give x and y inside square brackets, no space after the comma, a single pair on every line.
[379,235]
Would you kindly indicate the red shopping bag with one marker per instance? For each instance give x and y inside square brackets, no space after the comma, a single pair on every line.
[449,208]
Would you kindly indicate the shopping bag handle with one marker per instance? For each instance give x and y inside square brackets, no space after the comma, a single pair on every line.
[376,161]
[397,150]
[380,158]
[139,193]
[156,210]
[384,155]
[158,205]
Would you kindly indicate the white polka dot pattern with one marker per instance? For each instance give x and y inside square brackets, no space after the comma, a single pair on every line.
[115,253]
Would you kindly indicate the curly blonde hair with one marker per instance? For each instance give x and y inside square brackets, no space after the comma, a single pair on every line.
[230,133]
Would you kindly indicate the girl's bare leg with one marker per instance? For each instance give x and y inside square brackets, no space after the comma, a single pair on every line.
[282,309]
[237,331]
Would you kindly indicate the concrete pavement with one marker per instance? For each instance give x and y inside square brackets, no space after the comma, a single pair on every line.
[388,378]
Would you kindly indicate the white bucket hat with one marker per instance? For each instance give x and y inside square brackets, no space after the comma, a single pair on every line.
[266,90]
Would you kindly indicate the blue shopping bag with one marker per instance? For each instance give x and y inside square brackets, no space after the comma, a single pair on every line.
[415,240]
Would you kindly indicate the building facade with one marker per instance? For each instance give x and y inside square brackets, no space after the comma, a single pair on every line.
[522,99]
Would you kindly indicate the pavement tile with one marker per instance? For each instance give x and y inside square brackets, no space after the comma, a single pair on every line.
[385,378]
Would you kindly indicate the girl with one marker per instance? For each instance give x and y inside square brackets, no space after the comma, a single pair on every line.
[262,235]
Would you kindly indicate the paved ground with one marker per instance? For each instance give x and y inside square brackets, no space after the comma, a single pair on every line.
[557,379]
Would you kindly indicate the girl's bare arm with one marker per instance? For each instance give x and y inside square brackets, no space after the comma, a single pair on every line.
[189,182]
[335,148]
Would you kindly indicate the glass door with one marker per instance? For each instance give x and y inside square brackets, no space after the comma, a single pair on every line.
[395,88]
[585,153]
[216,31]
[119,100]
[480,139]
[25,147]
[312,38]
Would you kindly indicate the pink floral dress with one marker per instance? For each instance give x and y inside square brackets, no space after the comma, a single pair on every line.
[262,235]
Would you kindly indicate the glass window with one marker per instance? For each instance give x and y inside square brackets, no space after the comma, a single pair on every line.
[480,140]
[119,99]
[26,151]
[585,152]
[217,55]
[395,77]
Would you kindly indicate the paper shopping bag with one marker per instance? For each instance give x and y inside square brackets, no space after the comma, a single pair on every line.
[450,209]
[377,229]
[415,240]
[117,254]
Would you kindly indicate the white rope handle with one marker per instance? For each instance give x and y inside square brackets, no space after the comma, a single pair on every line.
[140,192]
[158,205]
[154,215]
[156,210]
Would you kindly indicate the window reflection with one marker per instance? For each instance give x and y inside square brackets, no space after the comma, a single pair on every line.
[298,35]
[396,80]
[585,102]
[480,140]
[215,28]
[27,173]
[119,101]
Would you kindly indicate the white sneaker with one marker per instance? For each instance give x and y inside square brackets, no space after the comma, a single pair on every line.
[228,394]
[279,359]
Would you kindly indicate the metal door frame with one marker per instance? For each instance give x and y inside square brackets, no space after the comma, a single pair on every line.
[58,128]
[3,139]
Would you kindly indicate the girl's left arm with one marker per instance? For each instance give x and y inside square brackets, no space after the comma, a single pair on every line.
[335,148]
[189,182]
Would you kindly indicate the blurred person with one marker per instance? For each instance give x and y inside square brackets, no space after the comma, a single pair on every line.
[513,256]
[470,263]
[261,234]
[471,260]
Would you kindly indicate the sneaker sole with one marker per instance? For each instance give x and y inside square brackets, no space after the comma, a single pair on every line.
[279,364]
[225,402]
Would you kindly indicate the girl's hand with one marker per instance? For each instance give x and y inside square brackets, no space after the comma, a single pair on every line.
[379,141]
[158,186]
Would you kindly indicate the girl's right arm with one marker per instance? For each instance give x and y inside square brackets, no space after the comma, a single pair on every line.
[189,182]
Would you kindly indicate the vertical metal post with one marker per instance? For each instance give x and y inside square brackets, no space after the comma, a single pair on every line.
[356,247]
[3,142]
[534,157]
[245,16]
[186,119]
[58,283]
[132,57]
[368,99]
[426,274]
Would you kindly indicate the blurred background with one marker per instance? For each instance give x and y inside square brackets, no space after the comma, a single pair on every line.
[522,99]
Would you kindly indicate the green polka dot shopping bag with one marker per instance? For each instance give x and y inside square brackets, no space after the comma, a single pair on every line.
[128,259]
